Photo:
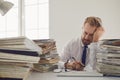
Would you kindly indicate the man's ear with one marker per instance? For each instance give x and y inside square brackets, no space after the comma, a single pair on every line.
[99,32]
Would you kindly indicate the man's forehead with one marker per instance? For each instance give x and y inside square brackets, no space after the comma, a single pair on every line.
[90,29]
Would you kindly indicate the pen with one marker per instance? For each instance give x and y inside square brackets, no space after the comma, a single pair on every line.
[73,58]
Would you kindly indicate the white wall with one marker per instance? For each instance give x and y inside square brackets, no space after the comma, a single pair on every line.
[67,16]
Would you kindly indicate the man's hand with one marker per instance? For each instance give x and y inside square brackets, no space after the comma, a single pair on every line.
[75,66]
[99,32]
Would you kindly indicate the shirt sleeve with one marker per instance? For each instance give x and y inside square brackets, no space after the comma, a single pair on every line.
[65,55]
[92,57]
[69,50]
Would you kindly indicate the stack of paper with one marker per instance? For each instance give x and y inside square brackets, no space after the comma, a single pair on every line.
[108,57]
[49,56]
[17,55]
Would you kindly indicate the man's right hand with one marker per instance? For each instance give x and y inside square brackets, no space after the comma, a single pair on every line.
[75,66]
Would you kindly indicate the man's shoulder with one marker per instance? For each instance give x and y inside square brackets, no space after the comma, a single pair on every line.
[76,40]
[93,45]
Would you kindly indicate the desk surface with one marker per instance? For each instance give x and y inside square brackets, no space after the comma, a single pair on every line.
[53,76]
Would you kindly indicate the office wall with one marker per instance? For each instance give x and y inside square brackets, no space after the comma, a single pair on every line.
[67,16]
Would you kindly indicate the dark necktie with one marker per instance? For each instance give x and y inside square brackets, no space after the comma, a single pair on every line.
[84,54]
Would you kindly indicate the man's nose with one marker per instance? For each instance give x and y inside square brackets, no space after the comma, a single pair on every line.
[86,37]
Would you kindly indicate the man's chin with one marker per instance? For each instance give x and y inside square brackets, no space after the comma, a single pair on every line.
[86,43]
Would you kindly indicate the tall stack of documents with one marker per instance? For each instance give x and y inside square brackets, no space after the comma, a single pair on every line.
[49,57]
[108,57]
[17,55]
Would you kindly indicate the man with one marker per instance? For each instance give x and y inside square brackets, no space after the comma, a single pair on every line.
[76,54]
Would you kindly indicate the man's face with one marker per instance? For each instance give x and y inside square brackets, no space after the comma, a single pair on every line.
[88,33]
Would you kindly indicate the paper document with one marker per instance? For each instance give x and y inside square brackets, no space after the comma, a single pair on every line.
[79,74]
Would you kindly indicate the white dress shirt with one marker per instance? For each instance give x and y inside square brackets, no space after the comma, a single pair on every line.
[74,48]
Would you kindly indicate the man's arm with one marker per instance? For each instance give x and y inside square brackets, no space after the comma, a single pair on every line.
[66,55]
[99,32]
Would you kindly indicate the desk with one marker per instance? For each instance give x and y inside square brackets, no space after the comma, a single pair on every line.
[53,76]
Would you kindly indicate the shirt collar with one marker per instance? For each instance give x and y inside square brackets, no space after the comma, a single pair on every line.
[83,44]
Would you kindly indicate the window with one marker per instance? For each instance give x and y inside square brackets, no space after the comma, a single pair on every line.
[34,15]
[36,19]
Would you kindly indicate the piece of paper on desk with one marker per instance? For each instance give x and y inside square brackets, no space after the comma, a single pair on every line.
[79,74]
